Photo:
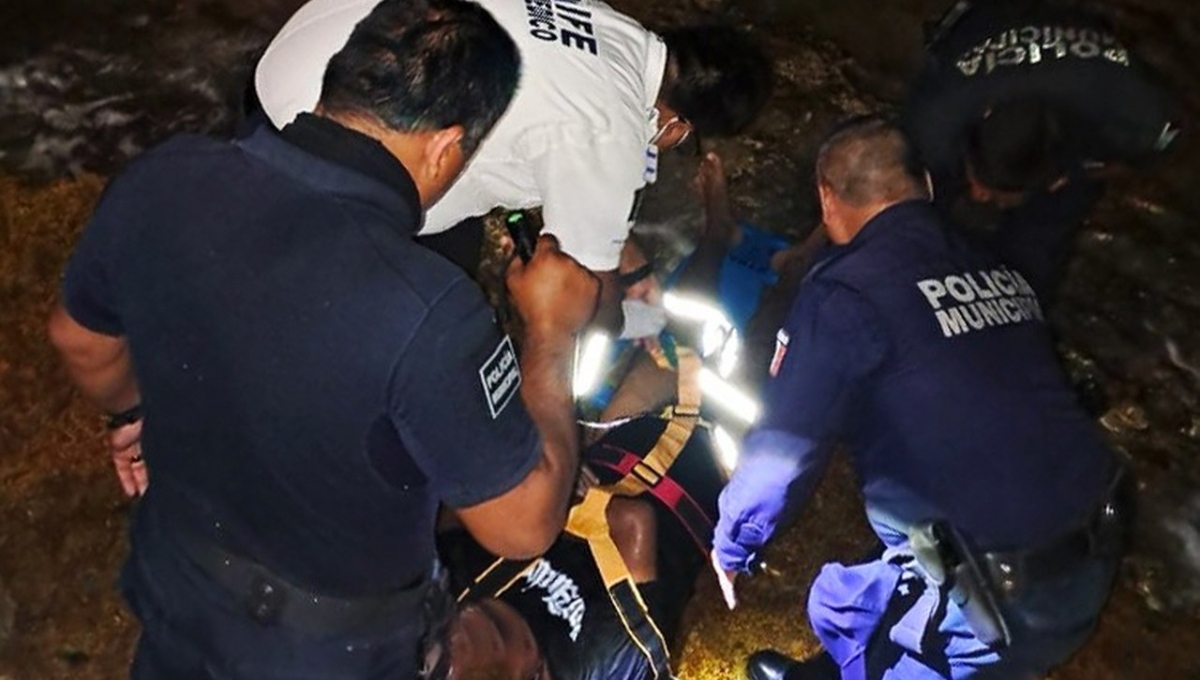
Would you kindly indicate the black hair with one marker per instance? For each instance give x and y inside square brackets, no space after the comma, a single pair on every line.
[425,65]
[718,78]
[1020,145]
[868,159]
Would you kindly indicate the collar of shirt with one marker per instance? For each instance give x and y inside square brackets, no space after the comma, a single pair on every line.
[338,144]
[900,212]
[875,228]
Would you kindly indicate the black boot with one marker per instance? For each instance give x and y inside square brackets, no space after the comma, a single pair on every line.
[768,664]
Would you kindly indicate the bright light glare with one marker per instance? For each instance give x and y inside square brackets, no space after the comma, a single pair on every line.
[690,308]
[590,364]
[716,330]
[727,449]
[729,396]
[727,360]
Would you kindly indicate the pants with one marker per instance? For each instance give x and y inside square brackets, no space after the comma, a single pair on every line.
[882,621]
[192,629]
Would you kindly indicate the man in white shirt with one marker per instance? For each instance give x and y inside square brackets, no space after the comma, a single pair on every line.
[599,97]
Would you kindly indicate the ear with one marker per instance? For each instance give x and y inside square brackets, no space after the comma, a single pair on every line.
[826,197]
[832,213]
[442,156]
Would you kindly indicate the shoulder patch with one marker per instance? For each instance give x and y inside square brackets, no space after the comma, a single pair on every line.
[501,377]
[781,347]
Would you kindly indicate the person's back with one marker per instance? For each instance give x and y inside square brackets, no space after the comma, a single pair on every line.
[966,411]
[988,484]
[274,354]
[1001,51]
[589,81]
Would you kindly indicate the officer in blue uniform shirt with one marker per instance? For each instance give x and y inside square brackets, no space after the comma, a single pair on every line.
[985,480]
[304,384]
[1028,107]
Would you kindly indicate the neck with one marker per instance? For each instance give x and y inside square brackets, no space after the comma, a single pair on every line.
[405,148]
[846,223]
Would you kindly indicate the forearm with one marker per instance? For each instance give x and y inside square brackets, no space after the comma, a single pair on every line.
[608,311]
[778,472]
[99,365]
[546,392]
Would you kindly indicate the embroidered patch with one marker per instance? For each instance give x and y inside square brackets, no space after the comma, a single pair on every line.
[781,346]
[501,377]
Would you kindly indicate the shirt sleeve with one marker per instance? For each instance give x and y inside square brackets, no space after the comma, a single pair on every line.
[455,400]
[88,289]
[588,185]
[835,341]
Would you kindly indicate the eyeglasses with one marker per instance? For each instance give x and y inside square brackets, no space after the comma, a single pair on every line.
[666,126]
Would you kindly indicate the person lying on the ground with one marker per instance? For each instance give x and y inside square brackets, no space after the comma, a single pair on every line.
[1029,108]
[600,96]
[563,596]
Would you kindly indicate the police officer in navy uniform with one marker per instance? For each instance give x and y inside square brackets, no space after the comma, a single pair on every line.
[306,384]
[983,477]
[1029,106]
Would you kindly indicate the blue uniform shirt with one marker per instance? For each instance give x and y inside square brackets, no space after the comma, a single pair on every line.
[930,361]
[314,383]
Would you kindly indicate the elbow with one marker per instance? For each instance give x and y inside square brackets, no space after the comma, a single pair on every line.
[54,328]
[60,330]
[531,540]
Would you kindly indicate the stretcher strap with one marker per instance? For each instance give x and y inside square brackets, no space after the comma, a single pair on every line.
[653,467]
[589,521]
[668,491]
[497,578]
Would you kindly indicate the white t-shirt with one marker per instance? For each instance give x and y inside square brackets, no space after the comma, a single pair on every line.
[575,139]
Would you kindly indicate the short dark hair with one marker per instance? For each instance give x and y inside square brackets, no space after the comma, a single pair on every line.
[1020,145]
[718,78]
[425,65]
[867,159]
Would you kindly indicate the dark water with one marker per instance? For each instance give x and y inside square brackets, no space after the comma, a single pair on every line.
[84,86]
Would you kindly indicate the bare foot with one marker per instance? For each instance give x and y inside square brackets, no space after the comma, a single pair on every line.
[719,224]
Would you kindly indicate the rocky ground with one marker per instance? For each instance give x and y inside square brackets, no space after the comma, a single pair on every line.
[84,86]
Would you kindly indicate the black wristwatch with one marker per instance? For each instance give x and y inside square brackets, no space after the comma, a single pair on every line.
[633,276]
[126,417]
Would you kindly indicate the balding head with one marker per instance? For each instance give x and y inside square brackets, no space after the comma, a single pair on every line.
[868,160]
[864,167]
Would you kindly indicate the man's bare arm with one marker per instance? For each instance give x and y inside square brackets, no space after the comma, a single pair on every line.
[555,297]
[101,368]
[98,364]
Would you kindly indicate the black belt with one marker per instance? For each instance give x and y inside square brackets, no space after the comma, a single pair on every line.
[272,601]
[1105,534]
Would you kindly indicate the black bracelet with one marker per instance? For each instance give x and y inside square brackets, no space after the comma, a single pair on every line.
[126,417]
[631,277]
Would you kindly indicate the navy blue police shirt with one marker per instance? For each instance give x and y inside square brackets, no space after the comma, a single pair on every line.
[930,361]
[1072,59]
[314,383]
[1066,57]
